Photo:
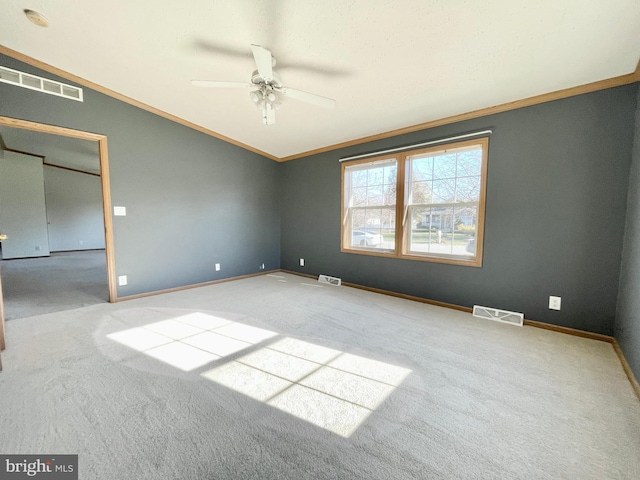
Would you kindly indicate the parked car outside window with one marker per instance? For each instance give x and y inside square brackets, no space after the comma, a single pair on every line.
[365,238]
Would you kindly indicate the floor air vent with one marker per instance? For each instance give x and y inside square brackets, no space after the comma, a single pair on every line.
[330,280]
[33,82]
[504,316]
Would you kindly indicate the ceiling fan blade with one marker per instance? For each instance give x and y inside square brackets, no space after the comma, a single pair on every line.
[269,114]
[208,83]
[308,97]
[264,62]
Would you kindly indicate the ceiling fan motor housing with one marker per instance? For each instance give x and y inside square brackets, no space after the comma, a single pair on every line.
[257,79]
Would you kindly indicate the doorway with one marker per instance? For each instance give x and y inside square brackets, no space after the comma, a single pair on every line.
[103,172]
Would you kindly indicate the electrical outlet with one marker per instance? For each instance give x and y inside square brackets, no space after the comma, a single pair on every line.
[554,303]
[217,267]
[81,242]
[122,280]
[262,266]
[302,262]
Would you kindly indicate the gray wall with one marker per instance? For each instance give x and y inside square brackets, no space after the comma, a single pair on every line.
[556,200]
[22,206]
[628,314]
[74,210]
[192,200]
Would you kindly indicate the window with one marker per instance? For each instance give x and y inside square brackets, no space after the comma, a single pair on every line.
[424,204]
[371,188]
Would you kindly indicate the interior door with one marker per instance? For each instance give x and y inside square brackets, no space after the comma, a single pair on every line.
[23,214]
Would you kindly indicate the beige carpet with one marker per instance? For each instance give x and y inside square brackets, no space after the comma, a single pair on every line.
[278,377]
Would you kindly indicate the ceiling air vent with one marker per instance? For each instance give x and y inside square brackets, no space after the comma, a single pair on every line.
[33,82]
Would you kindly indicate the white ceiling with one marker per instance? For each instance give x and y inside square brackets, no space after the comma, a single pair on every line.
[58,150]
[388,64]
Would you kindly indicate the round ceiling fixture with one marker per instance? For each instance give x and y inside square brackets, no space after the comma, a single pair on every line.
[36,18]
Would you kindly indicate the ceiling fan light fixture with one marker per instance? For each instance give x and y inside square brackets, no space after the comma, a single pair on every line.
[256,97]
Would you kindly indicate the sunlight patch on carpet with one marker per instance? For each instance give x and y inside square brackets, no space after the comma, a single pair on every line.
[250,381]
[326,387]
[191,341]
[179,355]
[331,389]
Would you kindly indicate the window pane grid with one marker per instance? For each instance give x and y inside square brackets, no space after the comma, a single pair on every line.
[374,186]
[442,199]
[445,178]
[443,204]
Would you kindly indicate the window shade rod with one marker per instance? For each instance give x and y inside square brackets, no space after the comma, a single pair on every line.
[409,147]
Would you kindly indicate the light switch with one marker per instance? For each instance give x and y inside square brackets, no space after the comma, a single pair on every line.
[120,211]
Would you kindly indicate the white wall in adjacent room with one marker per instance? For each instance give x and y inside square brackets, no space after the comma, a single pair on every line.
[74,210]
[22,206]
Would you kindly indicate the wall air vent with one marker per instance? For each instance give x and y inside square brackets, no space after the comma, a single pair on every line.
[504,316]
[33,82]
[330,280]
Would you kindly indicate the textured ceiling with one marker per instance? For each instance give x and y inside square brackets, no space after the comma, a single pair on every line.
[388,64]
[57,150]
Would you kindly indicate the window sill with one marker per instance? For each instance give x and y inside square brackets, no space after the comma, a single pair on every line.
[457,260]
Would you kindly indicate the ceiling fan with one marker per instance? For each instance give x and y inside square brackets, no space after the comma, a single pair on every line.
[268,87]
